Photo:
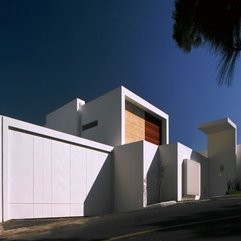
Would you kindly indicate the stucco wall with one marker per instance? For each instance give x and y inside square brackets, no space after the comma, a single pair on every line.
[168,165]
[171,161]
[151,174]
[191,176]
[136,176]
[107,111]
[185,152]
[66,118]
[128,177]
[52,174]
[238,173]
[222,155]
[1,179]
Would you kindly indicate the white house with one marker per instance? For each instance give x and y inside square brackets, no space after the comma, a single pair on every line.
[108,155]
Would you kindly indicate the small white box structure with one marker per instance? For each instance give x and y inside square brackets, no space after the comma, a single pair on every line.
[191,178]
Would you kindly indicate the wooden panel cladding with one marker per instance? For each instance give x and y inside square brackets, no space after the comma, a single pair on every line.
[140,125]
[152,129]
[134,123]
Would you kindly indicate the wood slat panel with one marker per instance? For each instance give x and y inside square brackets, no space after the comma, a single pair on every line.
[152,129]
[134,123]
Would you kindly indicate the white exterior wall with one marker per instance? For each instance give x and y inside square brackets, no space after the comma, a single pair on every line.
[66,119]
[168,165]
[185,152]
[191,174]
[171,159]
[136,176]
[1,179]
[51,174]
[151,174]
[107,111]
[238,173]
[222,154]
[128,177]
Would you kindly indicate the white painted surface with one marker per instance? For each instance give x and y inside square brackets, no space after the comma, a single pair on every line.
[222,144]
[42,210]
[66,118]
[171,158]
[1,178]
[238,172]
[221,125]
[192,178]
[128,173]
[107,111]
[78,175]
[151,174]
[60,173]
[20,168]
[48,176]
[42,171]
[137,177]
[222,155]
[168,164]
[185,152]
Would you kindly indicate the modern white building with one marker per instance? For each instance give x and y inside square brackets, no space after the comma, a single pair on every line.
[108,155]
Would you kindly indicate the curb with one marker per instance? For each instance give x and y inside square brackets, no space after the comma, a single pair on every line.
[225,197]
[169,203]
[162,204]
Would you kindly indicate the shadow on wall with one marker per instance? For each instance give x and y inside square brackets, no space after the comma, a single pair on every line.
[99,198]
[153,180]
[204,162]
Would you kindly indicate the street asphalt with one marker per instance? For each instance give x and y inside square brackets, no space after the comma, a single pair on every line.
[216,219]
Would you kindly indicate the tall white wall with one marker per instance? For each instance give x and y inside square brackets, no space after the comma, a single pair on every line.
[185,152]
[1,179]
[52,174]
[107,111]
[238,173]
[191,173]
[222,155]
[168,165]
[151,174]
[128,177]
[171,161]
[66,118]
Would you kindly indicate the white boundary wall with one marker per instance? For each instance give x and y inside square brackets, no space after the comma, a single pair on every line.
[136,174]
[1,177]
[191,175]
[171,158]
[238,173]
[51,174]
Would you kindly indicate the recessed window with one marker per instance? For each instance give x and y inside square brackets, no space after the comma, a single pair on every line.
[89,125]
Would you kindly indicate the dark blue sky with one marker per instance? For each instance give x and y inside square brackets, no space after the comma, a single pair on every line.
[52,51]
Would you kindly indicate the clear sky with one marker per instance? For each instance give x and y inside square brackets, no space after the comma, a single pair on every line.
[52,51]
